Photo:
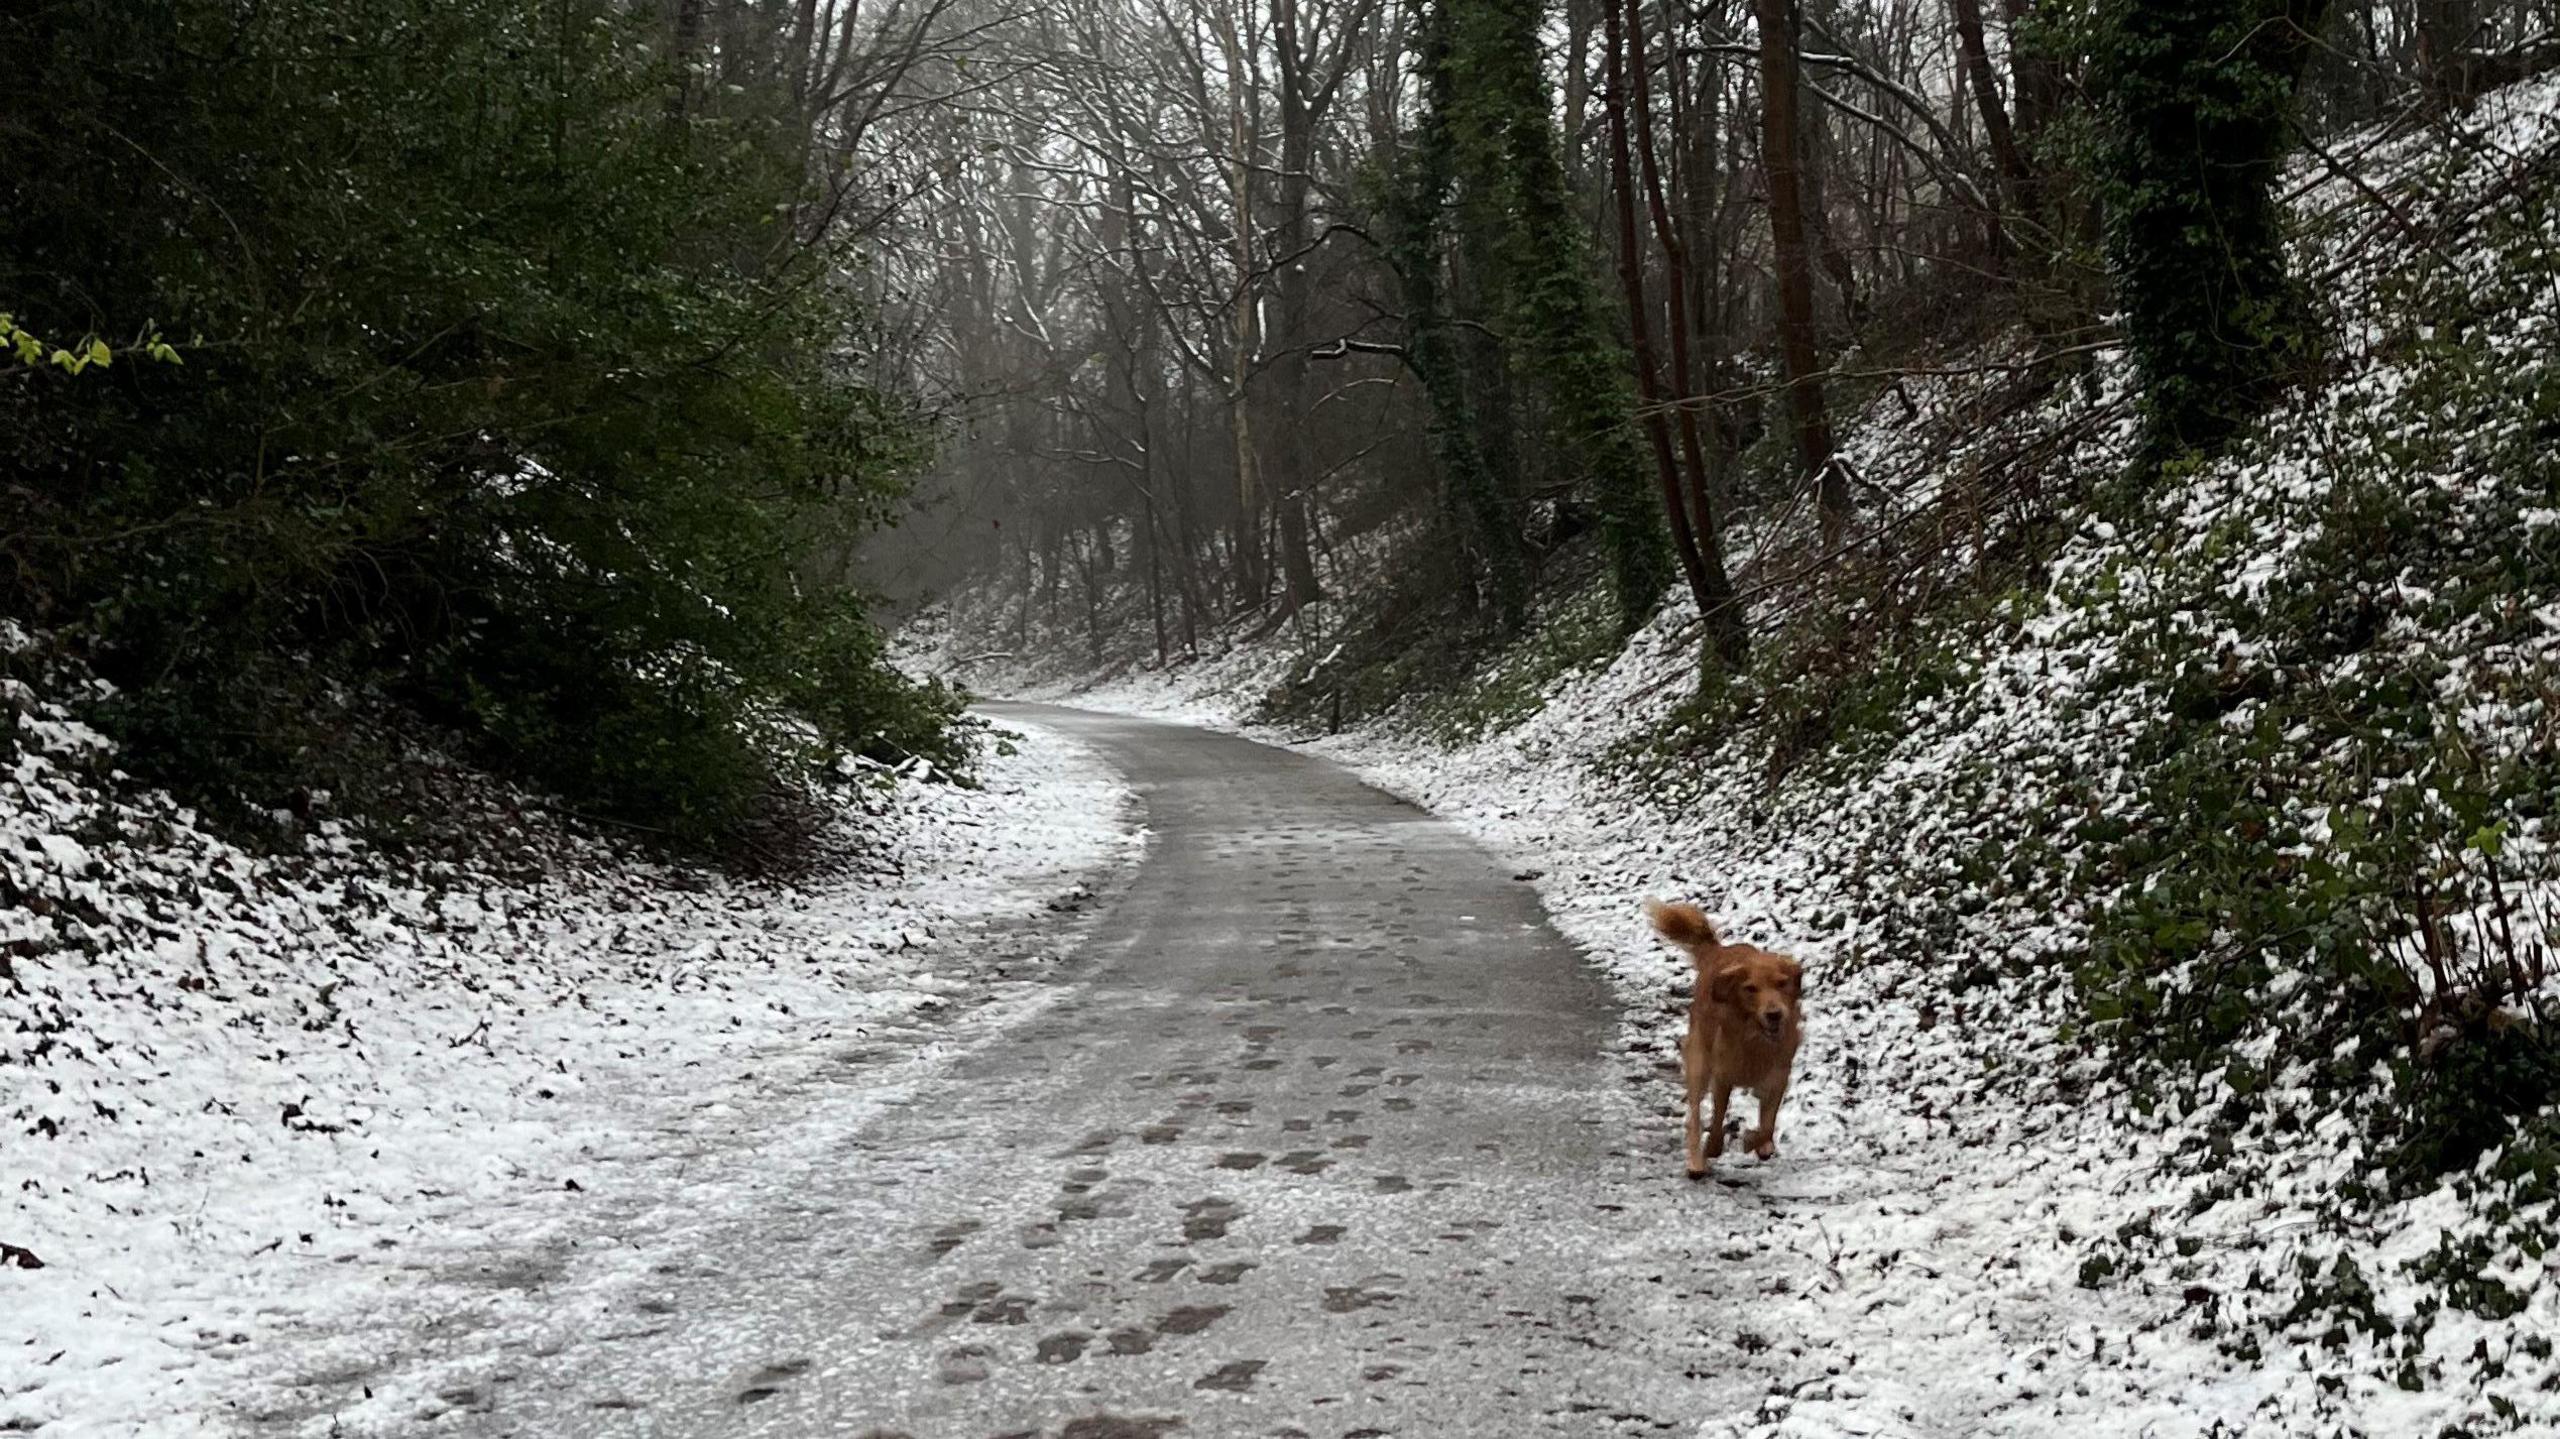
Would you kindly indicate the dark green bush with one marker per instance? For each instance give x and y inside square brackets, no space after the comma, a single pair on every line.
[502,392]
[2347,691]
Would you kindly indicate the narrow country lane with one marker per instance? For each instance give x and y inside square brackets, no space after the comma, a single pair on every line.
[1322,1140]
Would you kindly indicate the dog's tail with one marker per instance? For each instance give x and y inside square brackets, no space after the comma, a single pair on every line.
[1683,924]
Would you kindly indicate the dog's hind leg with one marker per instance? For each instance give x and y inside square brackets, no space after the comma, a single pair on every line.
[1693,1075]
[1764,1140]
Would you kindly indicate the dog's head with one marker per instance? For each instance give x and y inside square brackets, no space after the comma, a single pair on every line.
[1764,989]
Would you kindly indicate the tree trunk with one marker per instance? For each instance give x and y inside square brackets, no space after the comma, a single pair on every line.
[803,57]
[1300,109]
[1297,558]
[1701,202]
[1684,539]
[1251,586]
[1186,520]
[1155,578]
[1090,568]
[683,52]
[1134,321]
[1022,611]
[1476,498]
[1245,559]
[2200,99]
[1713,586]
[1814,159]
[2447,46]
[1986,100]
[1779,132]
[2035,81]
[1577,82]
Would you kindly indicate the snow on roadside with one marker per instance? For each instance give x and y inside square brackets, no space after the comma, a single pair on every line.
[234,1083]
[1212,690]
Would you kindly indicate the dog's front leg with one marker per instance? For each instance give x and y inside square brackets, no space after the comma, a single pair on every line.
[1715,1127]
[1764,1140]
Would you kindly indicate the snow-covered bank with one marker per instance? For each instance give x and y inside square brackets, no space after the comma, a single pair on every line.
[242,1091]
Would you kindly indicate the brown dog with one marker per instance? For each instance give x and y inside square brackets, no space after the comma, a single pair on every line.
[1745,1021]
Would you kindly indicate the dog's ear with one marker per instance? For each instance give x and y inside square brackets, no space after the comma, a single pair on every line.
[1725,986]
[1794,979]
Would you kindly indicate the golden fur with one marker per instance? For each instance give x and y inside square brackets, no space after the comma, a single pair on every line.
[1746,1018]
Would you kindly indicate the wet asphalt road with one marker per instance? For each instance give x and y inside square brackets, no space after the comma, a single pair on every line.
[1322,1140]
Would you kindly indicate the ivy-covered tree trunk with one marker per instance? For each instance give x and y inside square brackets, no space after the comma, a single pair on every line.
[1489,104]
[2198,104]
[1482,513]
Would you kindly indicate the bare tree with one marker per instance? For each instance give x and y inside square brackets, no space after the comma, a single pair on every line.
[1780,135]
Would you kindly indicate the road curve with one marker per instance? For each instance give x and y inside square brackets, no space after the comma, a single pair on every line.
[1322,1140]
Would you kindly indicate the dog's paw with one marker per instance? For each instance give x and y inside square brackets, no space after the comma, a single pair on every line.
[1697,1173]
[1764,1146]
[1715,1147]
